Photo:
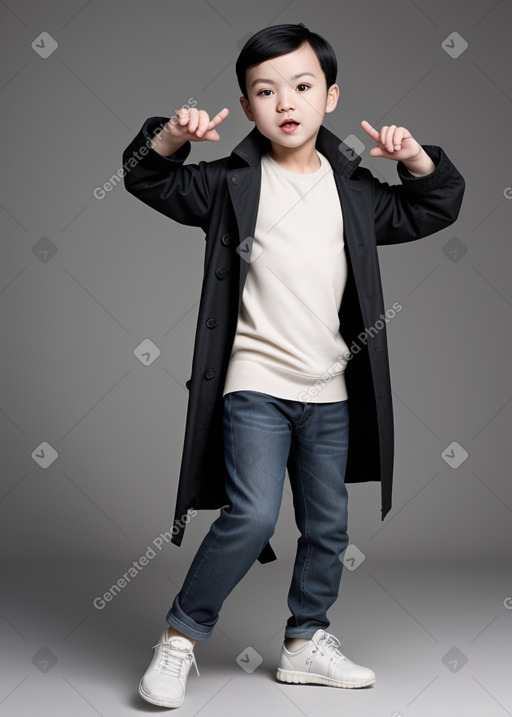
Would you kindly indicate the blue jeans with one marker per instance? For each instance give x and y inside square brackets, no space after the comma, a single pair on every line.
[262,436]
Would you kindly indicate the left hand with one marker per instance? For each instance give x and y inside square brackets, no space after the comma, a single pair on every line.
[393,142]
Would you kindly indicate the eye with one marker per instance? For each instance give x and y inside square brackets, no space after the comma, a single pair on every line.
[302,84]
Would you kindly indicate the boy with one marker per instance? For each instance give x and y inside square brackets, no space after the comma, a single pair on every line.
[292,225]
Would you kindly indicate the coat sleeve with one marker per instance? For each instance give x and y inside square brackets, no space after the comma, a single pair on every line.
[419,206]
[181,191]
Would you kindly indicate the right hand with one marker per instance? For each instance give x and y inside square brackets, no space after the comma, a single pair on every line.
[195,125]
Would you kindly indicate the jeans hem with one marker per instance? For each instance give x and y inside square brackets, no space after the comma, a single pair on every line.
[183,625]
[309,634]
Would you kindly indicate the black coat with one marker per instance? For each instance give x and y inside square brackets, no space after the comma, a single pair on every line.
[221,197]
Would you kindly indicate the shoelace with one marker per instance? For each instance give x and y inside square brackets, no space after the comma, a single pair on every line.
[172,658]
[331,644]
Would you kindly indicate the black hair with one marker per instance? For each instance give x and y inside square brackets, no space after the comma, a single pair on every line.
[279,40]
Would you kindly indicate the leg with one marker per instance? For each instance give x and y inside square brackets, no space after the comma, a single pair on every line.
[317,464]
[257,438]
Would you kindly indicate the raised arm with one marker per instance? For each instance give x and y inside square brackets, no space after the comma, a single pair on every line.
[155,171]
[430,195]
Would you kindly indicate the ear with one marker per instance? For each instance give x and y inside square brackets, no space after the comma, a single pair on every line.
[246,106]
[332,98]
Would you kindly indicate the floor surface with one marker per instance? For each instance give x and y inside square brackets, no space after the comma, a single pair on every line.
[438,637]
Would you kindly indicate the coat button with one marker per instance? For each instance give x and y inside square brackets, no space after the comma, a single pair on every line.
[187,384]
[226,239]
[221,272]
[236,179]
[211,322]
[209,374]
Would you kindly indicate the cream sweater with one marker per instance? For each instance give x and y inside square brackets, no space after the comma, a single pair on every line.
[287,340]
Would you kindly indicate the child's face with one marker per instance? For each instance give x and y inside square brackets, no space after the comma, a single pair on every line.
[282,95]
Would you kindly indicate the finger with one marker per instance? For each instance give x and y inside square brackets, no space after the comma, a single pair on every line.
[398,137]
[183,114]
[193,120]
[218,118]
[383,135]
[405,135]
[370,130]
[204,122]
[390,137]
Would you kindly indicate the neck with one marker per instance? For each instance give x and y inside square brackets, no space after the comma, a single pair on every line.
[302,160]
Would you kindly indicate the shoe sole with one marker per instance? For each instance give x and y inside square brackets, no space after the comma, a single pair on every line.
[308,678]
[156,701]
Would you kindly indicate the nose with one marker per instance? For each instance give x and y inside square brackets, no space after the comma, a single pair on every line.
[285,101]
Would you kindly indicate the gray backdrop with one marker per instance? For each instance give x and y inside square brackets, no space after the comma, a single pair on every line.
[92,438]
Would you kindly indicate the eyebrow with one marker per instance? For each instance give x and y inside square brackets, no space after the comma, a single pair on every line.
[271,82]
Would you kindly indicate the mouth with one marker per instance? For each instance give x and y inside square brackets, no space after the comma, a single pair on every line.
[289,125]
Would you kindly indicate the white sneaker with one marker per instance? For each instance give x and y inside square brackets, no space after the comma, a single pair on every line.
[165,679]
[320,662]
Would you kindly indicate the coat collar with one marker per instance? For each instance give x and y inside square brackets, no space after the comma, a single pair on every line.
[342,159]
